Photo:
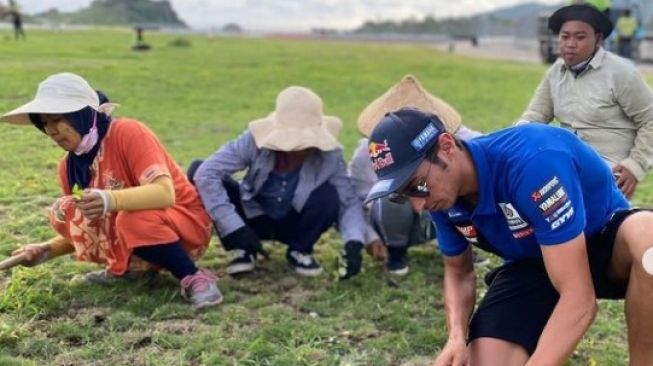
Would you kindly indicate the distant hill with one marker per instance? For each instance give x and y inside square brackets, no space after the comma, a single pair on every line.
[519,19]
[117,12]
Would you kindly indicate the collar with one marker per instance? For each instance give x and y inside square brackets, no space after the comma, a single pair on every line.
[594,63]
[486,205]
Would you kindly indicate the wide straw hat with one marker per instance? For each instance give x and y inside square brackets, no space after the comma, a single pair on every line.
[58,94]
[407,93]
[297,123]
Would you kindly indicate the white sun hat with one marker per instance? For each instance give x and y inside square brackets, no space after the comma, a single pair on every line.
[297,123]
[58,94]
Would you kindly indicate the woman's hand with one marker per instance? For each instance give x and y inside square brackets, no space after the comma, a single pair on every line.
[33,253]
[91,205]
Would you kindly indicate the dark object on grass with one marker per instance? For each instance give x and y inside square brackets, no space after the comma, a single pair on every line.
[140,42]
[180,42]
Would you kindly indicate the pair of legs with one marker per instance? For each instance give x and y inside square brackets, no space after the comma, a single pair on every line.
[617,272]
[171,239]
[298,230]
[399,227]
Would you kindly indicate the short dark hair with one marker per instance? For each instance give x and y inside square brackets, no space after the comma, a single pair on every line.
[432,154]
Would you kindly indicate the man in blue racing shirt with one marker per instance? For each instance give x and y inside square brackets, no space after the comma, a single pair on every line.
[545,202]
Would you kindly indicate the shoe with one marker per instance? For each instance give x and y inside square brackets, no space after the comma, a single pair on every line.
[303,263]
[397,261]
[201,289]
[479,260]
[106,278]
[241,262]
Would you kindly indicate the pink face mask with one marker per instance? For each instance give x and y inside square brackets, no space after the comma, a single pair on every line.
[90,139]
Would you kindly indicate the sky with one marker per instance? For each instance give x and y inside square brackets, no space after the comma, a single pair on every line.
[300,14]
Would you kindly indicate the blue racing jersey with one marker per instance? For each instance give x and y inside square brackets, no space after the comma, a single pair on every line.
[538,185]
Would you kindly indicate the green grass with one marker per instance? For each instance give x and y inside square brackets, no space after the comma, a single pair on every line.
[195,99]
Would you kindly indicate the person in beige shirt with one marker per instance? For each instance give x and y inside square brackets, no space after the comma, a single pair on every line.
[598,95]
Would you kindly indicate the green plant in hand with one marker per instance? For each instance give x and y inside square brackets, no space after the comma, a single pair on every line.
[77,192]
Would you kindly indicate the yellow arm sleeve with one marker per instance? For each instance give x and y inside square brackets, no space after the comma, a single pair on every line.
[156,195]
[59,246]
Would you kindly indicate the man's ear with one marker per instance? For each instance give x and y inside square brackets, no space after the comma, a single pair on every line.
[599,40]
[447,143]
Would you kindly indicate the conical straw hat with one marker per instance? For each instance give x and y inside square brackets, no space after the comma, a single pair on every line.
[407,93]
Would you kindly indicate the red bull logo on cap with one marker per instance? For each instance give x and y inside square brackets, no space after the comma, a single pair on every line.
[375,149]
[380,154]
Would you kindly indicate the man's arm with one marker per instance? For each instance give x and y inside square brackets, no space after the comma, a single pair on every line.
[459,299]
[568,269]
[540,108]
[233,156]
[636,99]
[351,221]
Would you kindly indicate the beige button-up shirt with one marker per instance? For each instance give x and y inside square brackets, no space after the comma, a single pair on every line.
[609,105]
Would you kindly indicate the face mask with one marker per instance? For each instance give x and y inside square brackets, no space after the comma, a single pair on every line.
[90,139]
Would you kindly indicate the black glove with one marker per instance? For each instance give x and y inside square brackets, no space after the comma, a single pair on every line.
[246,239]
[352,259]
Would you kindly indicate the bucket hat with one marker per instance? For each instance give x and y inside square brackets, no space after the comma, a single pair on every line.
[297,123]
[58,94]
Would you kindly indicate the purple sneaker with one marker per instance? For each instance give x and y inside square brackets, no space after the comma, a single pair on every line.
[201,289]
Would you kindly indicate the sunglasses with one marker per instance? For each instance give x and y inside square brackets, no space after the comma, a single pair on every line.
[421,190]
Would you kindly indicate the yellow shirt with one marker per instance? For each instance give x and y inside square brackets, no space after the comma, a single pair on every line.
[599,4]
[626,26]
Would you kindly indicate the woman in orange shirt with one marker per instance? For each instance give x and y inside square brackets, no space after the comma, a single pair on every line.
[126,204]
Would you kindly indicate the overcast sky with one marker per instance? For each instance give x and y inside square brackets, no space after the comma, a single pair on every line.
[300,14]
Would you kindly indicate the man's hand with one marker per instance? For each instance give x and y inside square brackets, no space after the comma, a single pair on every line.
[377,250]
[91,205]
[454,353]
[34,253]
[246,239]
[626,181]
[352,260]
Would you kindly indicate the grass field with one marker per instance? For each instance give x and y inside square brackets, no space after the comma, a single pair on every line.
[196,98]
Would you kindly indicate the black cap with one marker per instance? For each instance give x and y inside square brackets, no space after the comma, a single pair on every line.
[584,13]
[398,145]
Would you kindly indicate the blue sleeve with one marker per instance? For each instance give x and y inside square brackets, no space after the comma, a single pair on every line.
[450,241]
[549,194]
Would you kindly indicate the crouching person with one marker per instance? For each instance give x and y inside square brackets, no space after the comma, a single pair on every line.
[295,187]
[126,204]
[392,224]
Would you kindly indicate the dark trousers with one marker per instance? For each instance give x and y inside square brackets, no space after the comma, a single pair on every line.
[169,256]
[299,230]
[625,47]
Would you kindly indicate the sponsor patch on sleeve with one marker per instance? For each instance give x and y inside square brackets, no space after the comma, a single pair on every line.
[469,232]
[537,195]
[551,203]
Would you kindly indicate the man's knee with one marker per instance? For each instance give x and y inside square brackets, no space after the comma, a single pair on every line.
[634,242]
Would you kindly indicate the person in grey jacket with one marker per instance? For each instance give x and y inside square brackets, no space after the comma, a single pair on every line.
[294,189]
[598,95]
[393,226]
